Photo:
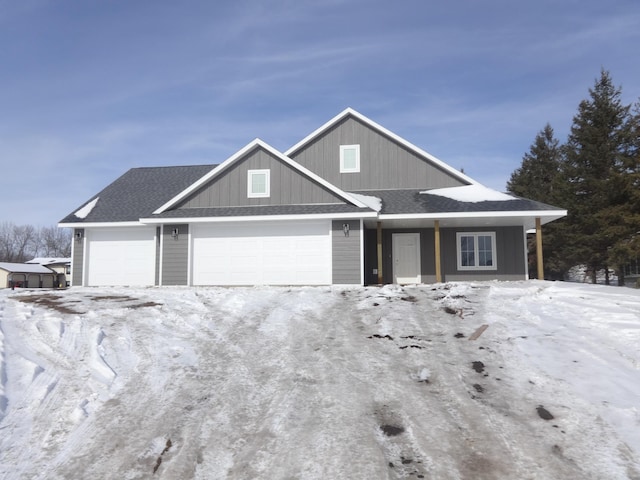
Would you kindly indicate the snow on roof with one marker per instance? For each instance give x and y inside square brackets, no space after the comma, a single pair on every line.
[86,210]
[49,260]
[374,203]
[471,193]
[24,268]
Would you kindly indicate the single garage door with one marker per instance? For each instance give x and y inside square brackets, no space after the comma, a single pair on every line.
[262,254]
[121,256]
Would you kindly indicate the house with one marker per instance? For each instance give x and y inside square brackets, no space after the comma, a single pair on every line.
[26,275]
[351,203]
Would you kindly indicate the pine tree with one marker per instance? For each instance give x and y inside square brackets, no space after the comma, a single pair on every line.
[538,178]
[596,190]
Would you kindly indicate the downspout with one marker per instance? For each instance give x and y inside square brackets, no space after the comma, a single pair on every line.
[379,250]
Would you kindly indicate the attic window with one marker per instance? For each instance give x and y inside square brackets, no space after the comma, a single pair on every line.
[349,158]
[258,183]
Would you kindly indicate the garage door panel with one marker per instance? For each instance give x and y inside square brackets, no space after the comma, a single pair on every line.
[121,257]
[273,254]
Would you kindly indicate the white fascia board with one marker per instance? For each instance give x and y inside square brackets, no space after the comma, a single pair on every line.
[100,224]
[259,218]
[442,216]
[525,214]
[383,130]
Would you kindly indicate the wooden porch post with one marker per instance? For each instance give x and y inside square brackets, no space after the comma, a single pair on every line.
[436,225]
[539,249]
[379,250]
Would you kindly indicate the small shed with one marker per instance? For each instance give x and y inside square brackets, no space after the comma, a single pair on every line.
[27,276]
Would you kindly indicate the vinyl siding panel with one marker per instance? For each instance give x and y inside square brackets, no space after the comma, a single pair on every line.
[384,163]
[287,185]
[175,255]
[77,261]
[345,259]
[510,251]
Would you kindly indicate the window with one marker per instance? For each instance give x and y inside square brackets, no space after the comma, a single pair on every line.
[349,158]
[476,250]
[258,183]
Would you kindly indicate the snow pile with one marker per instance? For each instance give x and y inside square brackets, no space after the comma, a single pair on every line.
[86,210]
[374,203]
[470,193]
[492,380]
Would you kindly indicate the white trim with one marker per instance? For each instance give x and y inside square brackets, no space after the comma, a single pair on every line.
[361,252]
[475,235]
[446,215]
[388,133]
[267,183]
[190,256]
[238,155]
[344,148]
[160,272]
[101,224]
[526,253]
[259,218]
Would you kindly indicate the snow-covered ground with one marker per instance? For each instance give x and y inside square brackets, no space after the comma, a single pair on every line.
[321,383]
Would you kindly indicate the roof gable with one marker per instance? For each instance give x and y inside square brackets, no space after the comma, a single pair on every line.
[393,162]
[241,155]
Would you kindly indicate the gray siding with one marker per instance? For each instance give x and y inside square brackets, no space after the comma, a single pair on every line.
[509,249]
[175,255]
[384,163]
[346,252]
[287,186]
[78,258]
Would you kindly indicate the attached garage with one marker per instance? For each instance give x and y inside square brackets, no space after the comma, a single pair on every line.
[121,256]
[268,253]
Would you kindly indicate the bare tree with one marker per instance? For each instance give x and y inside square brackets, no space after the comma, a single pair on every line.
[21,243]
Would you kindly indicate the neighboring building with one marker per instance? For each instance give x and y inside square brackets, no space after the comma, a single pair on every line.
[352,203]
[62,266]
[24,275]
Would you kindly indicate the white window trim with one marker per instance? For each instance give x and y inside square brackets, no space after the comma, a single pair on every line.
[250,174]
[342,150]
[475,236]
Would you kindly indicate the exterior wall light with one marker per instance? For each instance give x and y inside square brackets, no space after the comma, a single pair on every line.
[345,229]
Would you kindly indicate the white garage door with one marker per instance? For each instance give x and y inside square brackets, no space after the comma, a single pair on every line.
[121,256]
[265,254]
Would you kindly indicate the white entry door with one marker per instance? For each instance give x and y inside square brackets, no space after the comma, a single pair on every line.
[406,257]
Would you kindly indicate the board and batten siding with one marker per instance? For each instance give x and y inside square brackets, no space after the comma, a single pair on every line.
[175,255]
[346,252]
[384,163]
[287,185]
[77,260]
[510,252]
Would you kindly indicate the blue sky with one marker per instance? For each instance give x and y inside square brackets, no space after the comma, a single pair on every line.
[89,88]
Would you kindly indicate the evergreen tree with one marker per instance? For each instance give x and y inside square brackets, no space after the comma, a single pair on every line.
[538,178]
[596,158]
[627,228]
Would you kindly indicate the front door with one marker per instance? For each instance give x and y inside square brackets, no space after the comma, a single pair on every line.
[406,257]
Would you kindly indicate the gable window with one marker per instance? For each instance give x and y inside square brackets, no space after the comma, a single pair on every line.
[349,158]
[258,183]
[476,250]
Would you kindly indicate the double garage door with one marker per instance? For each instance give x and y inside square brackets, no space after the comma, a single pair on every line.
[221,254]
[267,254]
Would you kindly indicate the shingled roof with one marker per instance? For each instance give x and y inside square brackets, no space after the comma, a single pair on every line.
[414,201]
[138,192]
